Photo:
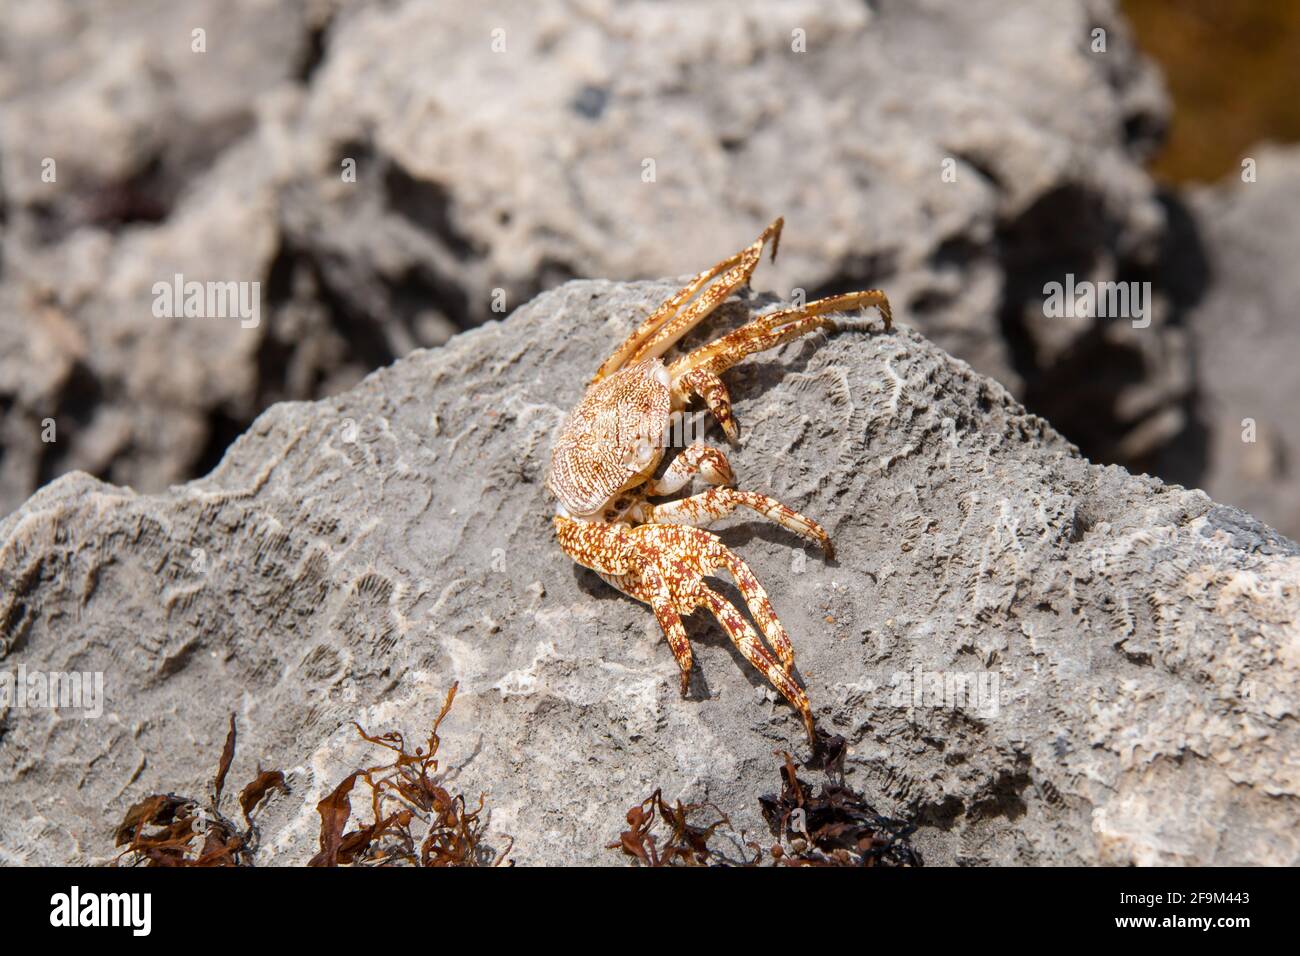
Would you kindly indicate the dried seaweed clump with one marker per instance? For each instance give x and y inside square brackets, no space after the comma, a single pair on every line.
[836,826]
[404,794]
[679,841]
[165,830]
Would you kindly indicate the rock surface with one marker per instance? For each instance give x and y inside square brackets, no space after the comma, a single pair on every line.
[1136,644]
[961,158]
[1247,340]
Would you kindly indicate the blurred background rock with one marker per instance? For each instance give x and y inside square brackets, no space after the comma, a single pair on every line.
[500,149]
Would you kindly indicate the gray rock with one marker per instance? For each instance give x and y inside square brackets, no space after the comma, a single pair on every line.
[1133,645]
[160,167]
[1246,347]
[483,177]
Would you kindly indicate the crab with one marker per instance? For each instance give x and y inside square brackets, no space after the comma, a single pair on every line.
[602,470]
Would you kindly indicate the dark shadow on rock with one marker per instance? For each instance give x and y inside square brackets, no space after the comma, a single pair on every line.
[79,400]
[750,525]
[1079,392]
[592,584]
[1185,273]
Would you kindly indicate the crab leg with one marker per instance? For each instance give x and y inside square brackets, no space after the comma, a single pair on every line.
[709,506]
[670,621]
[775,328]
[759,605]
[747,642]
[696,373]
[663,566]
[696,458]
[709,387]
[665,326]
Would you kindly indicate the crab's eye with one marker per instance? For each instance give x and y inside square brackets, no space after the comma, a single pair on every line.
[640,454]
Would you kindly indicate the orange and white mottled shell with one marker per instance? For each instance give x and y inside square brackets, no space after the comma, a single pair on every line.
[613,439]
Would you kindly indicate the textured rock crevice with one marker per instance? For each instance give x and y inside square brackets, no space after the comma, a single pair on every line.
[350,558]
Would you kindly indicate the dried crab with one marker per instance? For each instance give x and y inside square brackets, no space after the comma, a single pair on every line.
[602,468]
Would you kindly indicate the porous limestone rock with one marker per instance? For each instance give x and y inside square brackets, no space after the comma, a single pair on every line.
[1129,649]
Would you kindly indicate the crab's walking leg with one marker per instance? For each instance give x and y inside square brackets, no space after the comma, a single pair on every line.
[661,565]
[665,326]
[747,642]
[698,372]
[606,550]
[775,328]
[650,587]
[759,605]
[696,458]
[706,507]
[653,586]
[709,387]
